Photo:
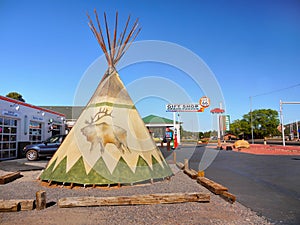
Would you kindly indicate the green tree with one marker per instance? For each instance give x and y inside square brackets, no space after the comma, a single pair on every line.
[240,128]
[15,95]
[264,123]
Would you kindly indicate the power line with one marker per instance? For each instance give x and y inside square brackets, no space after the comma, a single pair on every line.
[278,90]
[266,93]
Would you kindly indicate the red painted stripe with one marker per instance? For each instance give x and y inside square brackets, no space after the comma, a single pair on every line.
[30,106]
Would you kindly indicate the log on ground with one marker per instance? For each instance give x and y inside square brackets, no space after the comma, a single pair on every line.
[26,204]
[211,185]
[166,198]
[191,173]
[15,205]
[9,206]
[228,196]
[9,177]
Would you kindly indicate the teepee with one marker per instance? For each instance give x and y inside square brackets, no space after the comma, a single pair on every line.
[109,144]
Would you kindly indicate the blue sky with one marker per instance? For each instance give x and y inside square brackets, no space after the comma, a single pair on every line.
[251,47]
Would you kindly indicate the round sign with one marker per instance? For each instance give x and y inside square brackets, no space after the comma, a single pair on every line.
[204,102]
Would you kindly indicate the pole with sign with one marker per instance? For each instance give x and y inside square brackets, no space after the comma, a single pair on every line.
[218,111]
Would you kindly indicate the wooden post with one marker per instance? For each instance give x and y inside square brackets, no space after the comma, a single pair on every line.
[41,200]
[186,164]
[174,157]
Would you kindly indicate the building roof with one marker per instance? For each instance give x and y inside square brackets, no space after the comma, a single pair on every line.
[153,119]
[71,112]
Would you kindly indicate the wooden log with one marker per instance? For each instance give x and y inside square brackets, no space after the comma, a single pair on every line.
[166,198]
[9,206]
[228,196]
[41,200]
[9,177]
[180,165]
[16,205]
[191,173]
[26,204]
[211,185]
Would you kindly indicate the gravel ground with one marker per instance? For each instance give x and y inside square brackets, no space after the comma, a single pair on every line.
[217,211]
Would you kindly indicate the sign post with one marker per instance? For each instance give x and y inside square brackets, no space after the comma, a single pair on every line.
[218,111]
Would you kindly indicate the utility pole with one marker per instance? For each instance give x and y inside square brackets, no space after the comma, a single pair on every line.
[282,126]
[297,128]
[281,117]
[251,123]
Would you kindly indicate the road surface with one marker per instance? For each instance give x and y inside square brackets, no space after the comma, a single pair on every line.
[269,185]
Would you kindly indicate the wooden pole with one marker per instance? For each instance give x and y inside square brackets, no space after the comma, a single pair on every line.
[41,200]
[186,164]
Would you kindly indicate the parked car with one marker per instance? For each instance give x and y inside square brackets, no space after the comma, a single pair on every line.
[44,149]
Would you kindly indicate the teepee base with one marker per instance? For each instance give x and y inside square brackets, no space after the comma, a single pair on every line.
[103,186]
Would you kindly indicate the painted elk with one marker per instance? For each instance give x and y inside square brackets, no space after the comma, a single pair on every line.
[103,133]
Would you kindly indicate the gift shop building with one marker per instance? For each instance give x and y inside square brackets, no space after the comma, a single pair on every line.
[22,124]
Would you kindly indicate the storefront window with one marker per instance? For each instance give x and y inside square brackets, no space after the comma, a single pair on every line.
[8,138]
[6,122]
[35,132]
[56,129]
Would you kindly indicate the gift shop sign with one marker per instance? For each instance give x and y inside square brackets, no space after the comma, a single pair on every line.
[204,102]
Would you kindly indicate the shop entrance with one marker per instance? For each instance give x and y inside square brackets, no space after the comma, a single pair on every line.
[8,138]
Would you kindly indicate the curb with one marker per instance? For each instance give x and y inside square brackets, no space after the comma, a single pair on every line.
[212,186]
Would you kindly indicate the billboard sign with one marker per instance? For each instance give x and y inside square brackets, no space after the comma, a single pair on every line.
[226,122]
[204,102]
[191,107]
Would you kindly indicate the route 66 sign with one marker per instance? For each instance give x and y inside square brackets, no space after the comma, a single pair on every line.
[204,102]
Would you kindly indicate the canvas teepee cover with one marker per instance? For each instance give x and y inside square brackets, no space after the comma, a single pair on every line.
[109,142]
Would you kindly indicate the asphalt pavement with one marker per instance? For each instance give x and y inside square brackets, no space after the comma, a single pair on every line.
[22,165]
[269,185]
